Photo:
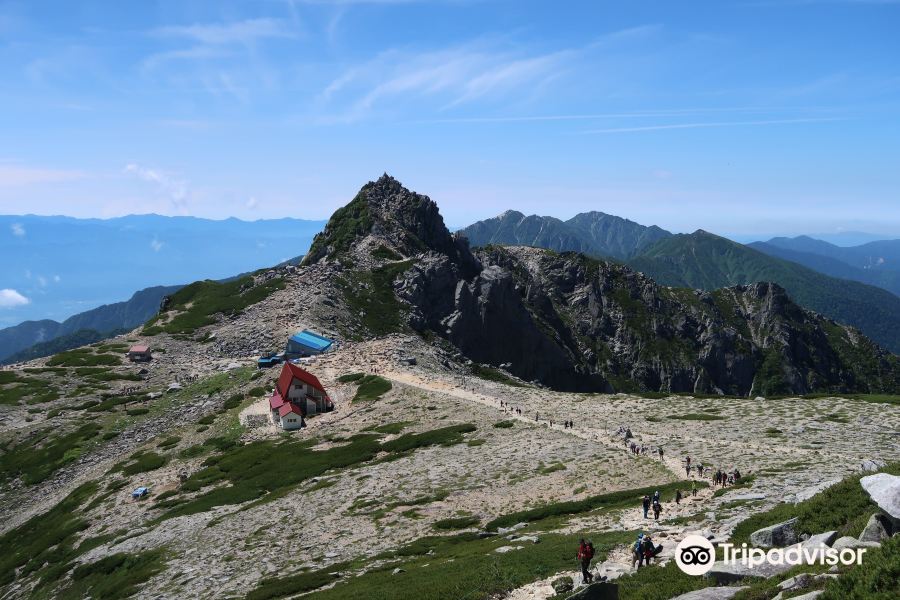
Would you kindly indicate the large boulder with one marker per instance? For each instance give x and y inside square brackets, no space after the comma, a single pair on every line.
[884,489]
[853,543]
[776,536]
[877,529]
[724,574]
[820,540]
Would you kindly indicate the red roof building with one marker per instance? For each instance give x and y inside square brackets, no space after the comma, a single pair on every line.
[298,394]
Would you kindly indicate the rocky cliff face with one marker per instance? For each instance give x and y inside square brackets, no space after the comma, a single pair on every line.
[575,323]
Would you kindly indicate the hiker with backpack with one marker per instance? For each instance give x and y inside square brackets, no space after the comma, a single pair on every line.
[650,549]
[657,508]
[645,502]
[677,496]
[637,552]
[586,555]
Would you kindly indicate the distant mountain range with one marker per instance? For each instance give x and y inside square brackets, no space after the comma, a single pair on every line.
[32,339]
[706,261]
[592,233]
[883,271]
[819,276]
[64,266]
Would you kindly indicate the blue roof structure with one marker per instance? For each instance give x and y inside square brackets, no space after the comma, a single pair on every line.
[309,342]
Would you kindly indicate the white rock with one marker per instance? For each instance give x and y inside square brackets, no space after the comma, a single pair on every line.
[884,489]
[821,539]
[872,464]
[852,542]
[505,549]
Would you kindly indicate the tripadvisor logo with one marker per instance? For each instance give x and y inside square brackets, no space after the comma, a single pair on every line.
[695,555]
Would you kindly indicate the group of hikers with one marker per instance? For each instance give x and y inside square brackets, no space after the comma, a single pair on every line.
[647,503]
[643,551]
[643,449]
[506,406]
[720,477]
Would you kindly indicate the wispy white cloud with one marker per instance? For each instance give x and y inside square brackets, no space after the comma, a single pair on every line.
[485,69]
[156,245]
[18,229]
[174,188]
[456,75]
[14,175]
[236,32]
[10,298]
[700,125]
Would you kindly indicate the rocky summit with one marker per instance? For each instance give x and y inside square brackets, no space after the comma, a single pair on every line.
[580,324]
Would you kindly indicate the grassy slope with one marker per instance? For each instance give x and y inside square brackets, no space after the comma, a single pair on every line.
[197,304]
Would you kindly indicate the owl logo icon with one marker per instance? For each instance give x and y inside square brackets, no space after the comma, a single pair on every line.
[695,555]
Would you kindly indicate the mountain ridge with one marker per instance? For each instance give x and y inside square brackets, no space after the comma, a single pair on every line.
[593,232]
[706,261]
[582,324]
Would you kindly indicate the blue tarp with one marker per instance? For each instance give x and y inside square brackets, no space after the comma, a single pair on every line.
[268,361]
[141,491]
[308,342]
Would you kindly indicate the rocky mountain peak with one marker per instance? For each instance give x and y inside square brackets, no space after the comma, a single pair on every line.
[386,213]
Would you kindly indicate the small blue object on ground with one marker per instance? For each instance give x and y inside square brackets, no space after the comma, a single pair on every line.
[140,492]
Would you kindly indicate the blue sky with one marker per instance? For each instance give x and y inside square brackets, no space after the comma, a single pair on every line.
[738,117]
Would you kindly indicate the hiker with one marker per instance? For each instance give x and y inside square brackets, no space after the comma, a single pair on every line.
[536,415]
[677,496]
[737,475]
[657,508]
[645,502]
[660,453]
[586,555]
[693,488]
[650,549]
[656,496]
[637,551]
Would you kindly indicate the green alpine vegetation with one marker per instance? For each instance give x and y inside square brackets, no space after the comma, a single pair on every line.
[260,470]
[196,305]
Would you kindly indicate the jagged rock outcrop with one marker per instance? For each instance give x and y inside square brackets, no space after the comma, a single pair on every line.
[580,324]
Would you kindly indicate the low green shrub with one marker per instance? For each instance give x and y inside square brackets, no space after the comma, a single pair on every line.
[371,387]
[351,377]
[143,462]
[455,523]
[113,577]
[877,578]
